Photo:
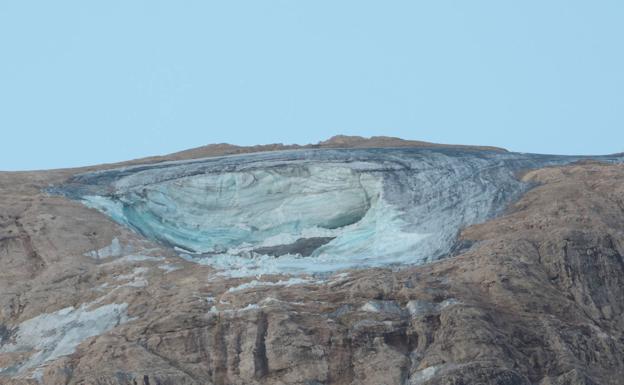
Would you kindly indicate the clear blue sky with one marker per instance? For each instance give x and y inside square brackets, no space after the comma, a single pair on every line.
[84,82]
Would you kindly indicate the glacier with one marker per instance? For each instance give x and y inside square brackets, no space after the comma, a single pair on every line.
[312,211]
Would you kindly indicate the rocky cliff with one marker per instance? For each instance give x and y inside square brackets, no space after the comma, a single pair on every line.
[344,263]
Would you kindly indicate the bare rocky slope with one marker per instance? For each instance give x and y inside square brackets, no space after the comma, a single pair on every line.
[533,296]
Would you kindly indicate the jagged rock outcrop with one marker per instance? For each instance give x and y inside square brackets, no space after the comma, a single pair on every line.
[532,296]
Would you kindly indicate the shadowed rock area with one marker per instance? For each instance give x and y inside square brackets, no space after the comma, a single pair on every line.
[534,294]
[302,246]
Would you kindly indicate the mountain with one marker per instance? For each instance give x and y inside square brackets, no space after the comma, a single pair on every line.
[352,261]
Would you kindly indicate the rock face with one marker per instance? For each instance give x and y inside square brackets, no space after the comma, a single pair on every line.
[519,281]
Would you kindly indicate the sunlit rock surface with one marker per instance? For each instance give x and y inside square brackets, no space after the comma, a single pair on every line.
[531,294]
[313,210]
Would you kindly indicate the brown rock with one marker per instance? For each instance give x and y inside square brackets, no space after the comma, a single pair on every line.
[537,300]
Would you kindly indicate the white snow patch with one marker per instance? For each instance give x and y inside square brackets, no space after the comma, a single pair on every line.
[138,271]
[270,300]
[113,250]
[168,268]
[340,276]
[135,258]
[424,375]
[256,283]
[390,307]
[136,278]
[251,306]
[368,307]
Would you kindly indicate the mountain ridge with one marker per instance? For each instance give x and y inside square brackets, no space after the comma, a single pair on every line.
[532,295]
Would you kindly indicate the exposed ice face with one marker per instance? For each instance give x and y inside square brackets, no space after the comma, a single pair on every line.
[214,213]
[311,211]
[58,334]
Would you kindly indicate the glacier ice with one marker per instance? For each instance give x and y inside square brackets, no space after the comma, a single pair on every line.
[311,211]
[58,334]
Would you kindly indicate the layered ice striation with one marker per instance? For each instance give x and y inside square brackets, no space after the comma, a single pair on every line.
[311,211]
